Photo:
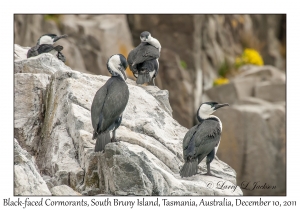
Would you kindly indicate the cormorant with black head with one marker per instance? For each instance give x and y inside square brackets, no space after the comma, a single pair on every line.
[45,45]
[109,103]
[143,60]
[202,140]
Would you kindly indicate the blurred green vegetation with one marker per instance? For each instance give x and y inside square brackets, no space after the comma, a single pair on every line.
[227,69]
[53,17]
[183,64]
[224,68]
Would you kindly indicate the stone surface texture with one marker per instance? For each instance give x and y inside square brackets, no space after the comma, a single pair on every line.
[145,161]
[28,180]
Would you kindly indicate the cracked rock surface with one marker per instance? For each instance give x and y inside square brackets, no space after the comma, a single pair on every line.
[145,161]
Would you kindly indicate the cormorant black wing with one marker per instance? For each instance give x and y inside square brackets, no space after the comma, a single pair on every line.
[130,59]
[145,52]
[109,103]
[33,51]
[45,48]
[204,138]
[188,145]
[208,137]
[115,102]
[97,105]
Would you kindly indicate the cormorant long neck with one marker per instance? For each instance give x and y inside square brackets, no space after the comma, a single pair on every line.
[201,120]
[155,43]
[202,117]
[115,72]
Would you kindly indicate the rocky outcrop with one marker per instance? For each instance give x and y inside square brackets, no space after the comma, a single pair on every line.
[91,40]
[203,43]
[194,47]
[27,180]
[254,127]
[145,161]
[63,190]
[173,77]
[264,82]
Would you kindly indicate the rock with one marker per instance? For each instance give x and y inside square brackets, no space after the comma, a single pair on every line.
[232,92]
[29,109]
[261,73]
[44,63]
[149,150]
[254,135]
[203,43]
[162,96]
[265,82]
[272,92]
[20,53]
[92,38]
[63,190]
[50,181]
[122,161]
[27,180]
[254,124]
[173,77]
[206,41]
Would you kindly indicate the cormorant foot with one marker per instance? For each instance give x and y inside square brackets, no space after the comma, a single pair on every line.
[114,140]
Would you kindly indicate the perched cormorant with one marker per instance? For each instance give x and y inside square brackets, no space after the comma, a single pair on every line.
[45,45]
[202,140]
[143,60]
[109,102]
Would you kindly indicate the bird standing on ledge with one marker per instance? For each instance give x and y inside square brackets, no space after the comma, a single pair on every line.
[109,103]
[143,60]
[45,45]
[202,140]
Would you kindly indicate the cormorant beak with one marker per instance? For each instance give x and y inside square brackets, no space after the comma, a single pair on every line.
[124,74]
[59,37]
[217,106]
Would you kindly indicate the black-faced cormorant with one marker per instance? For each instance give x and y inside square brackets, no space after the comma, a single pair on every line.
[143,60]
[45,45]
[202,140]
[109,102]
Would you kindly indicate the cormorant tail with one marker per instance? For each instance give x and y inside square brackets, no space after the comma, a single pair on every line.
[143,78]
[189,168]
[102,140]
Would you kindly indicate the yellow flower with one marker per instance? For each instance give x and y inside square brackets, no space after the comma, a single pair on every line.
[220,81]
[249,56]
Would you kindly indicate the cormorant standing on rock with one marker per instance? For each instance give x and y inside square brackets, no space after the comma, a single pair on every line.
[202,140]
[109,102]
[45,45]
[143,60]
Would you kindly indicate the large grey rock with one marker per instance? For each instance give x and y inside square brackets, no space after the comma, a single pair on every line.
[207,41]
[254,127]
[177,80]
[44,63]
[27,180]
[261,73]
[20,53]
[272,92]
[254,135]
[63,190]
[232,92]
[161,95]
[264,82]
[149,152]
[145,127]
[29,108]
